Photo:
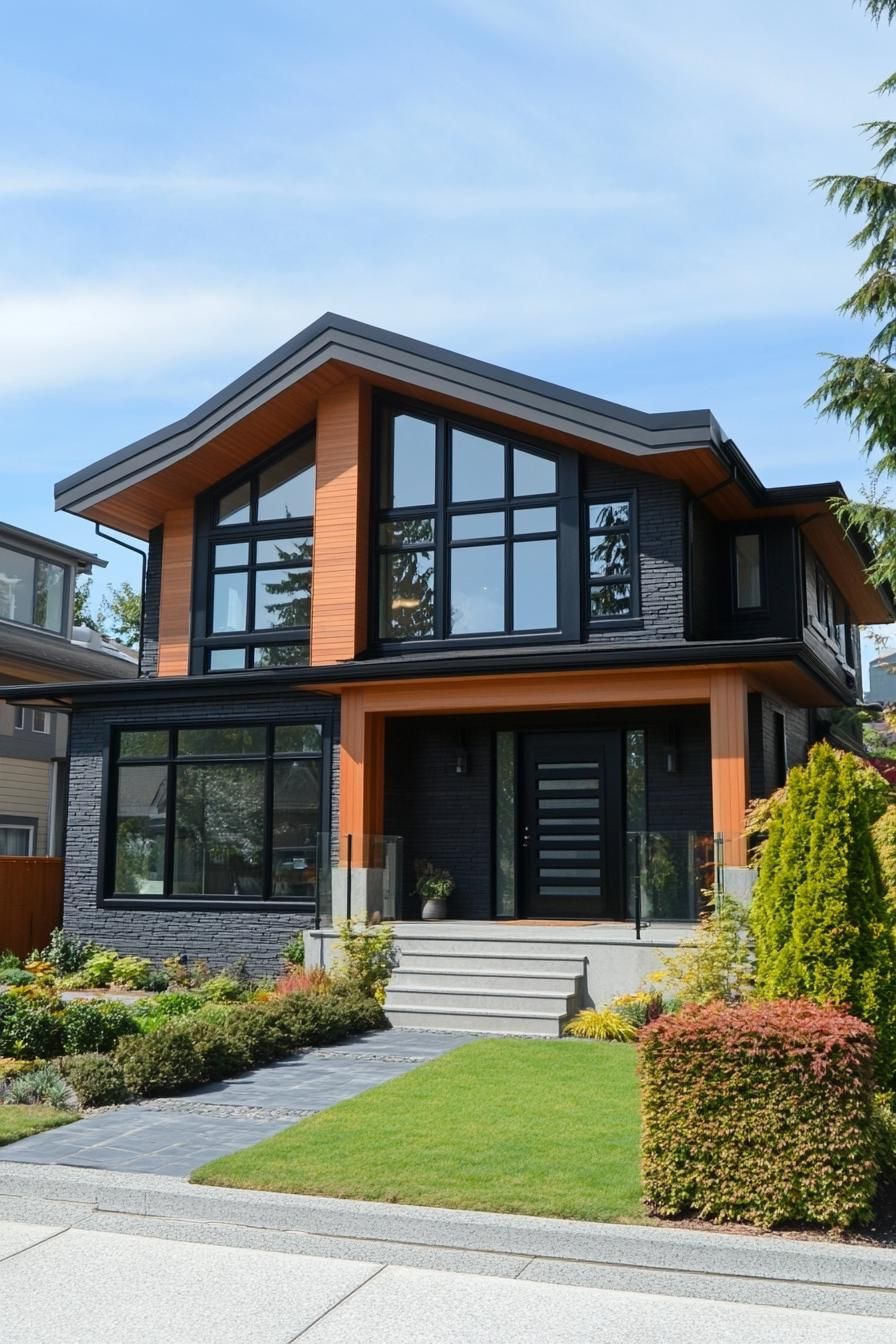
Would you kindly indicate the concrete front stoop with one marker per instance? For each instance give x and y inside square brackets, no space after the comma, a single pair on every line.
[450,980]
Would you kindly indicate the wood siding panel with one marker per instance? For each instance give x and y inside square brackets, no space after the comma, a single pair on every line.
[728,733]
[30,902]
[176,596]
[339,587]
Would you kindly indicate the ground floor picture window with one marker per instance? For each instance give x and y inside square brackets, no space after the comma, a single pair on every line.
[229,812]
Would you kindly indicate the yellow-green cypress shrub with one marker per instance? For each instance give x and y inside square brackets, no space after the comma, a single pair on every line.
[822,926]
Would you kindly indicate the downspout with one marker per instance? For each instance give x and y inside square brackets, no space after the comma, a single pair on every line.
[107,536]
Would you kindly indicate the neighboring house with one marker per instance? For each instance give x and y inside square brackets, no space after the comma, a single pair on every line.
[882,680]
[409,606]
[39,644]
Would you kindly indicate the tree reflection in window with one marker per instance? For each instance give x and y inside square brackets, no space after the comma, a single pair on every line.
[610,559]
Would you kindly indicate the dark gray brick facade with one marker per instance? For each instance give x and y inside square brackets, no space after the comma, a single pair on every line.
[761,739]
[149,662]
[661,547]
[221,936]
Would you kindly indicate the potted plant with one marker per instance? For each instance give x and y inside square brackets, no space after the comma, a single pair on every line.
[434,886]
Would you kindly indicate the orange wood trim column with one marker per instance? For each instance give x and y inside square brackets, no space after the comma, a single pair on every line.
[341,508]
[361,772]
[175,605]
[728,736]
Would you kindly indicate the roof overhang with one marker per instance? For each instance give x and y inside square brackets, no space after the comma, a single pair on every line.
[386,356]
[787,666]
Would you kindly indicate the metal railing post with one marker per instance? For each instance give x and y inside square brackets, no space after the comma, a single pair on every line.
[348,879]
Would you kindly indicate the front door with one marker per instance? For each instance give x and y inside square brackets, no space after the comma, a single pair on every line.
[570,788]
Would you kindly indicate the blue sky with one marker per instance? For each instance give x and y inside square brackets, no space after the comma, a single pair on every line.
[612,196]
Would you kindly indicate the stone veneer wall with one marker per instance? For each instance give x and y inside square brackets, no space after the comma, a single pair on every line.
[220,935]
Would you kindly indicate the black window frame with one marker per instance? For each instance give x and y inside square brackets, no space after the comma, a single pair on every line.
[443,509]
[67,585]
[109,898]
[632,618]
[761,609]
[210,533]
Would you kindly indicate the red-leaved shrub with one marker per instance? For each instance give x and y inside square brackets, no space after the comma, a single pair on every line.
[304,980]
[759,1112]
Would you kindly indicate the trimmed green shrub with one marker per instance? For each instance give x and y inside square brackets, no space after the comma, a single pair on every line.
[28,1030]
[165,1061]
[88,1026]
[716,962]
[221,1052]
[9,961]
[823,928]
[759,1112]
[225,1039]
[96,1080]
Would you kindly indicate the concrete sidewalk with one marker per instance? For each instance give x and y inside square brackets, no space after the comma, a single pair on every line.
[849,1292]
[74,1280]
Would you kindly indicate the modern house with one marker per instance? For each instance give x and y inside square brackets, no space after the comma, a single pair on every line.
[38,643]
[406,606]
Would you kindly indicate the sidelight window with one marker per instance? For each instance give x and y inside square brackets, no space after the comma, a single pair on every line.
[611,559]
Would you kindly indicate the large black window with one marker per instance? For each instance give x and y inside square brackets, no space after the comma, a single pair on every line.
[257,541]
[612,558]
[222,812]
[468,532]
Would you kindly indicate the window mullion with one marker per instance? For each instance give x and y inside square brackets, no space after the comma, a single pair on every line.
[170,807]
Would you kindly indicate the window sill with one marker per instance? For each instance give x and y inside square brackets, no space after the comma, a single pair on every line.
[612,623]
[211,903]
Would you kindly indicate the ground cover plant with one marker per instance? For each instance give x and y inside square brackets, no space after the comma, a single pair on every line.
[519,1126]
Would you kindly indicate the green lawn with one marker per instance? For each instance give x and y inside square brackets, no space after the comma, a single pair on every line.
[18,1122]
[516,1126]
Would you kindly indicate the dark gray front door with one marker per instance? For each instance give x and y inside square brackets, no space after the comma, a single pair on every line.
[570,842]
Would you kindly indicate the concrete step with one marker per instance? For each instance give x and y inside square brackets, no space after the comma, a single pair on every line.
[477,946]
[487,1000]
[486,1021]
[438,977]
[497,960]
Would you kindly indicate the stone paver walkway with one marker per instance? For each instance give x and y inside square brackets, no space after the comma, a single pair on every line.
[171,1136]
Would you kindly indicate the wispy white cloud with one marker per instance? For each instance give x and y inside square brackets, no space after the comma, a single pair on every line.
[446,201]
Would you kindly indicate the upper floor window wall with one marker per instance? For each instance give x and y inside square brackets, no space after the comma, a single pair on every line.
[468,532]
[253,607]
[32,590]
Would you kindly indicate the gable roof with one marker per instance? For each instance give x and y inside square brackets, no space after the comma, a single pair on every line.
[373,351]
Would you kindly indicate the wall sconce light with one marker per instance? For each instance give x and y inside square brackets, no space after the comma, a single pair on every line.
[671,751]
[461,755]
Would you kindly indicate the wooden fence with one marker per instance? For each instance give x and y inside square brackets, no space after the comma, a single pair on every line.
[30,902]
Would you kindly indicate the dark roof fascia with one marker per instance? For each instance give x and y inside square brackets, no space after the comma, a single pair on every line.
[44,546]
[45,650]
[228,686]
[389,354]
